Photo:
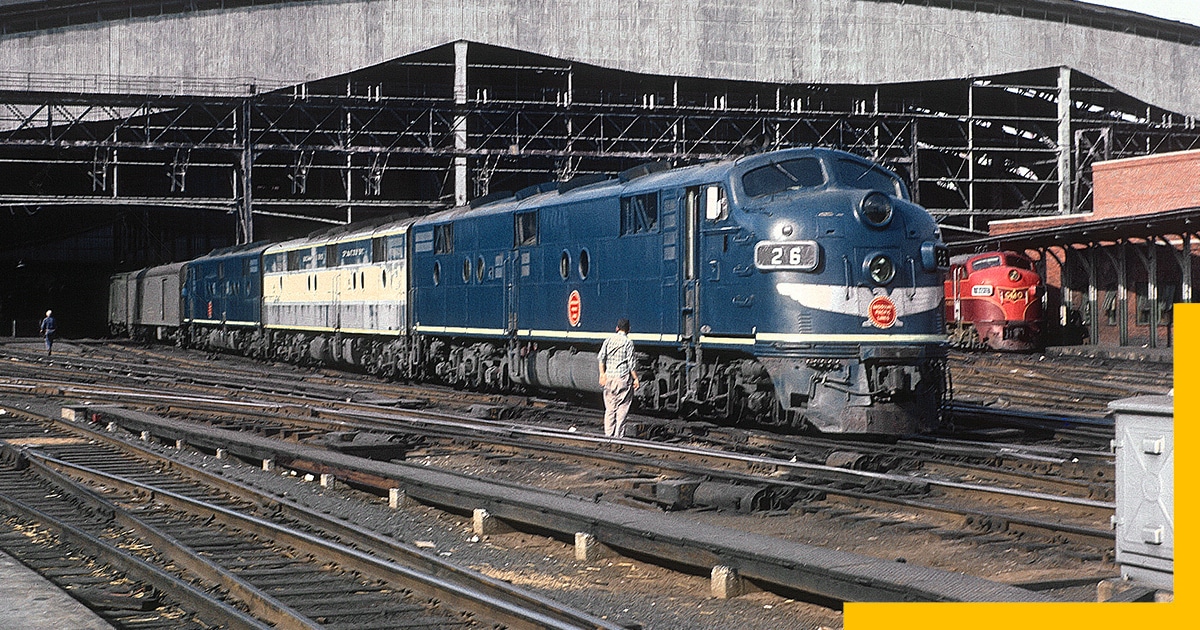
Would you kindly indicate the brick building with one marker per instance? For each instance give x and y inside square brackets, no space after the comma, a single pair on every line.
[1113,274]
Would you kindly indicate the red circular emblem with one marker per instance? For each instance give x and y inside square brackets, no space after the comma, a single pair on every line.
[882,312]
[574,309]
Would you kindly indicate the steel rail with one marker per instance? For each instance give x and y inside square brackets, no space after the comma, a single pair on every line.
[260,603]
[455,426]
[503,435]
[345,531]
[499,609]
[786,564]
[198,600]
[459,424]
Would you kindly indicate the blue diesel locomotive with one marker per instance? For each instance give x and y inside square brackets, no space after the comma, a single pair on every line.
[797,287]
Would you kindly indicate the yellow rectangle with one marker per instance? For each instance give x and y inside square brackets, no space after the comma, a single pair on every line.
[1094,616]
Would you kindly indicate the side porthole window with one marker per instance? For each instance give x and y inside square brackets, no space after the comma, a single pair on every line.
[479,269]
[564,265]
[585,263]
[466,270]
[437,273]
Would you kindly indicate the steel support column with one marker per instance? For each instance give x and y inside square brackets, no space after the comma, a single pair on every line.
[460,123]
[1149,260]
[1119,261]
[1065,205]
[1094,305]
[245,207]
[1185,263]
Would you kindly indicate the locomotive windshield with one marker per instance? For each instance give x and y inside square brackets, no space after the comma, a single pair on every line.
[777,177]
[986,263]
[867,177]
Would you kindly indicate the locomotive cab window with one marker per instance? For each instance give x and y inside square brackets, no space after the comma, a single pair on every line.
[716,208]
[525,229]
[986,263]
[867,177]
[780,176]
[639,214]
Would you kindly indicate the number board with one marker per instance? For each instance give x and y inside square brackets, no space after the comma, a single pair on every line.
[798,255]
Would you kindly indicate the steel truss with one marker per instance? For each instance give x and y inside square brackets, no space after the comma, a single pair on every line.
[417,133]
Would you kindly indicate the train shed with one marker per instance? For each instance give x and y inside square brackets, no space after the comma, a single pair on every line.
[152,131]
[1113,274]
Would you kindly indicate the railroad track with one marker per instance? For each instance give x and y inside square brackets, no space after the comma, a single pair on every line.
[772,476]
[273,567]
[826,583]
[1020,384]
[1031,382]
[981,483]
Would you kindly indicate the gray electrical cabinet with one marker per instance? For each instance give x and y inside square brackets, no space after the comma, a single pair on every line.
[1145,462]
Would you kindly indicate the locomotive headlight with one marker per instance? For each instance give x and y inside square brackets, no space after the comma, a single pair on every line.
[879,268]
[875,210]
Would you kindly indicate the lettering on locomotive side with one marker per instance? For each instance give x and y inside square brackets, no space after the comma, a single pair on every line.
[1013,295]
[881,312]
[982,290]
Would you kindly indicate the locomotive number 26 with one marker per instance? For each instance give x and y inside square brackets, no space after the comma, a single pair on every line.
[799,255]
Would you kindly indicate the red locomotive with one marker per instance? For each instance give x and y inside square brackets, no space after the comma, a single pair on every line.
[994,300]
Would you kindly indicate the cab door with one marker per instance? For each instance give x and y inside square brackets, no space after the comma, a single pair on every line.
[725,263]
[513,269]
[689,283]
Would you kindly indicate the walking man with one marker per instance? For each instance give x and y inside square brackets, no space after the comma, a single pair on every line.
[618,379]
[47,331]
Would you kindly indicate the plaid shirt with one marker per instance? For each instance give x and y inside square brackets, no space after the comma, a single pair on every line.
[616,355]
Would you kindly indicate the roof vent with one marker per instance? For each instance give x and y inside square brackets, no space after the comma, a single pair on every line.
[642,170]
[536,190]
[490,198]
[579,181]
